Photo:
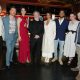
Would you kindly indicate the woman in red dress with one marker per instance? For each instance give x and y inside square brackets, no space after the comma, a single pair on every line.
[24,46]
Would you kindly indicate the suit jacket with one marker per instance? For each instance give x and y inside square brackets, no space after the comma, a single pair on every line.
[36,28]
[6,29]
[61,29]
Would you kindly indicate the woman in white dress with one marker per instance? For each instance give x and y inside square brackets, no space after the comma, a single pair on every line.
[48,38]
[70,47]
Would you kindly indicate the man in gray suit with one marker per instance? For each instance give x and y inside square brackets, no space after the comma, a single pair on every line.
[10,28]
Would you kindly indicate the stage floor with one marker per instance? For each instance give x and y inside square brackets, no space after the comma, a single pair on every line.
[38,72]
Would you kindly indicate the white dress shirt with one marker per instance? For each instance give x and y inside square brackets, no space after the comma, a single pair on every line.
[61,20]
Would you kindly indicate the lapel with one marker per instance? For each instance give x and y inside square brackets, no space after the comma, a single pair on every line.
[61,23]
[7,22]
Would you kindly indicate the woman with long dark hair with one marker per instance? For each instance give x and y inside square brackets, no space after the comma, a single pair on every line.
[70,46]
[23,37]
[48,37]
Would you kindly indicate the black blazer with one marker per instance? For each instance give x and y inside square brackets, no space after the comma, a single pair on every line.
[36,28]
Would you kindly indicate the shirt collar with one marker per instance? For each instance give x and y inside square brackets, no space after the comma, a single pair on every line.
[61,18]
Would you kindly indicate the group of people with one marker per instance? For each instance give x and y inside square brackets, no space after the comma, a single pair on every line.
[40,40]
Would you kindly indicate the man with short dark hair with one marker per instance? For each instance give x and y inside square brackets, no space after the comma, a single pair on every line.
[10,28]
[61,28]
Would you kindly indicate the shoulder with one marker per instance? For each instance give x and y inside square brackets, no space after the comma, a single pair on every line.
[41,21]
[31,22]
[45,21]
[78,21]
[79,24]
[0,18]
[5,18]
[66,20]
[53,22]
[19,19]
[57,19]
[69,22]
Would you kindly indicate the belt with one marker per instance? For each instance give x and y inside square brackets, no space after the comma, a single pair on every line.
[72,31]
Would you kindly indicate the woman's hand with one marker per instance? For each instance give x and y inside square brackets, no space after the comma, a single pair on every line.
[37,36]
[19,39]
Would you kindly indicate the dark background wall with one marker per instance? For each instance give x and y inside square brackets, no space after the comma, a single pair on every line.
[32,5]
[41,9]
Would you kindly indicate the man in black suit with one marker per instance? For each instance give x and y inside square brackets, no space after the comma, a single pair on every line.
[36,29]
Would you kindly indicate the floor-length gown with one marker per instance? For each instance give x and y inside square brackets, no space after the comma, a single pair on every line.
[24,46]
[48,39]
[70,47]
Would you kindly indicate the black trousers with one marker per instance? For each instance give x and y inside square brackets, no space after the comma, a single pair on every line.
[1,45]
[1,53]
[36,45]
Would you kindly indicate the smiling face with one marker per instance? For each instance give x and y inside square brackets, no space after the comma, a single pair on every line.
[78,15]
[62,14]
[72,17]
[36,14]
[0,9]
[13,11]
[23,11]
[48,16]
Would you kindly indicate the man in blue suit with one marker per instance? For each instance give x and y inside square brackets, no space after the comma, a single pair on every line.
[61,28]
[10,28]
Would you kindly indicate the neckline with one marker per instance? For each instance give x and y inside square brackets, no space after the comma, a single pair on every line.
[48,23]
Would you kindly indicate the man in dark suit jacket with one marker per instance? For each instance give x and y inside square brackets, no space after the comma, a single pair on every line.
[36,29]
[61,28]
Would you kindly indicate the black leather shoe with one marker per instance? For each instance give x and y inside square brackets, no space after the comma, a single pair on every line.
[7,67]
[13,63]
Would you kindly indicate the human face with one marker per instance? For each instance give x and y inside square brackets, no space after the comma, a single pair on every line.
[23,11]
[0,9]
[72,17]
[36,15]
[48,16]
[61,14]
[78,15]
[13,11]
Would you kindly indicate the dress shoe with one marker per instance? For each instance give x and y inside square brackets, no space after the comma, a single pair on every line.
[7,67]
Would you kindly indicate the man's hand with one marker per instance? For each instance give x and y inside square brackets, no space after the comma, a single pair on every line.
[37,36]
